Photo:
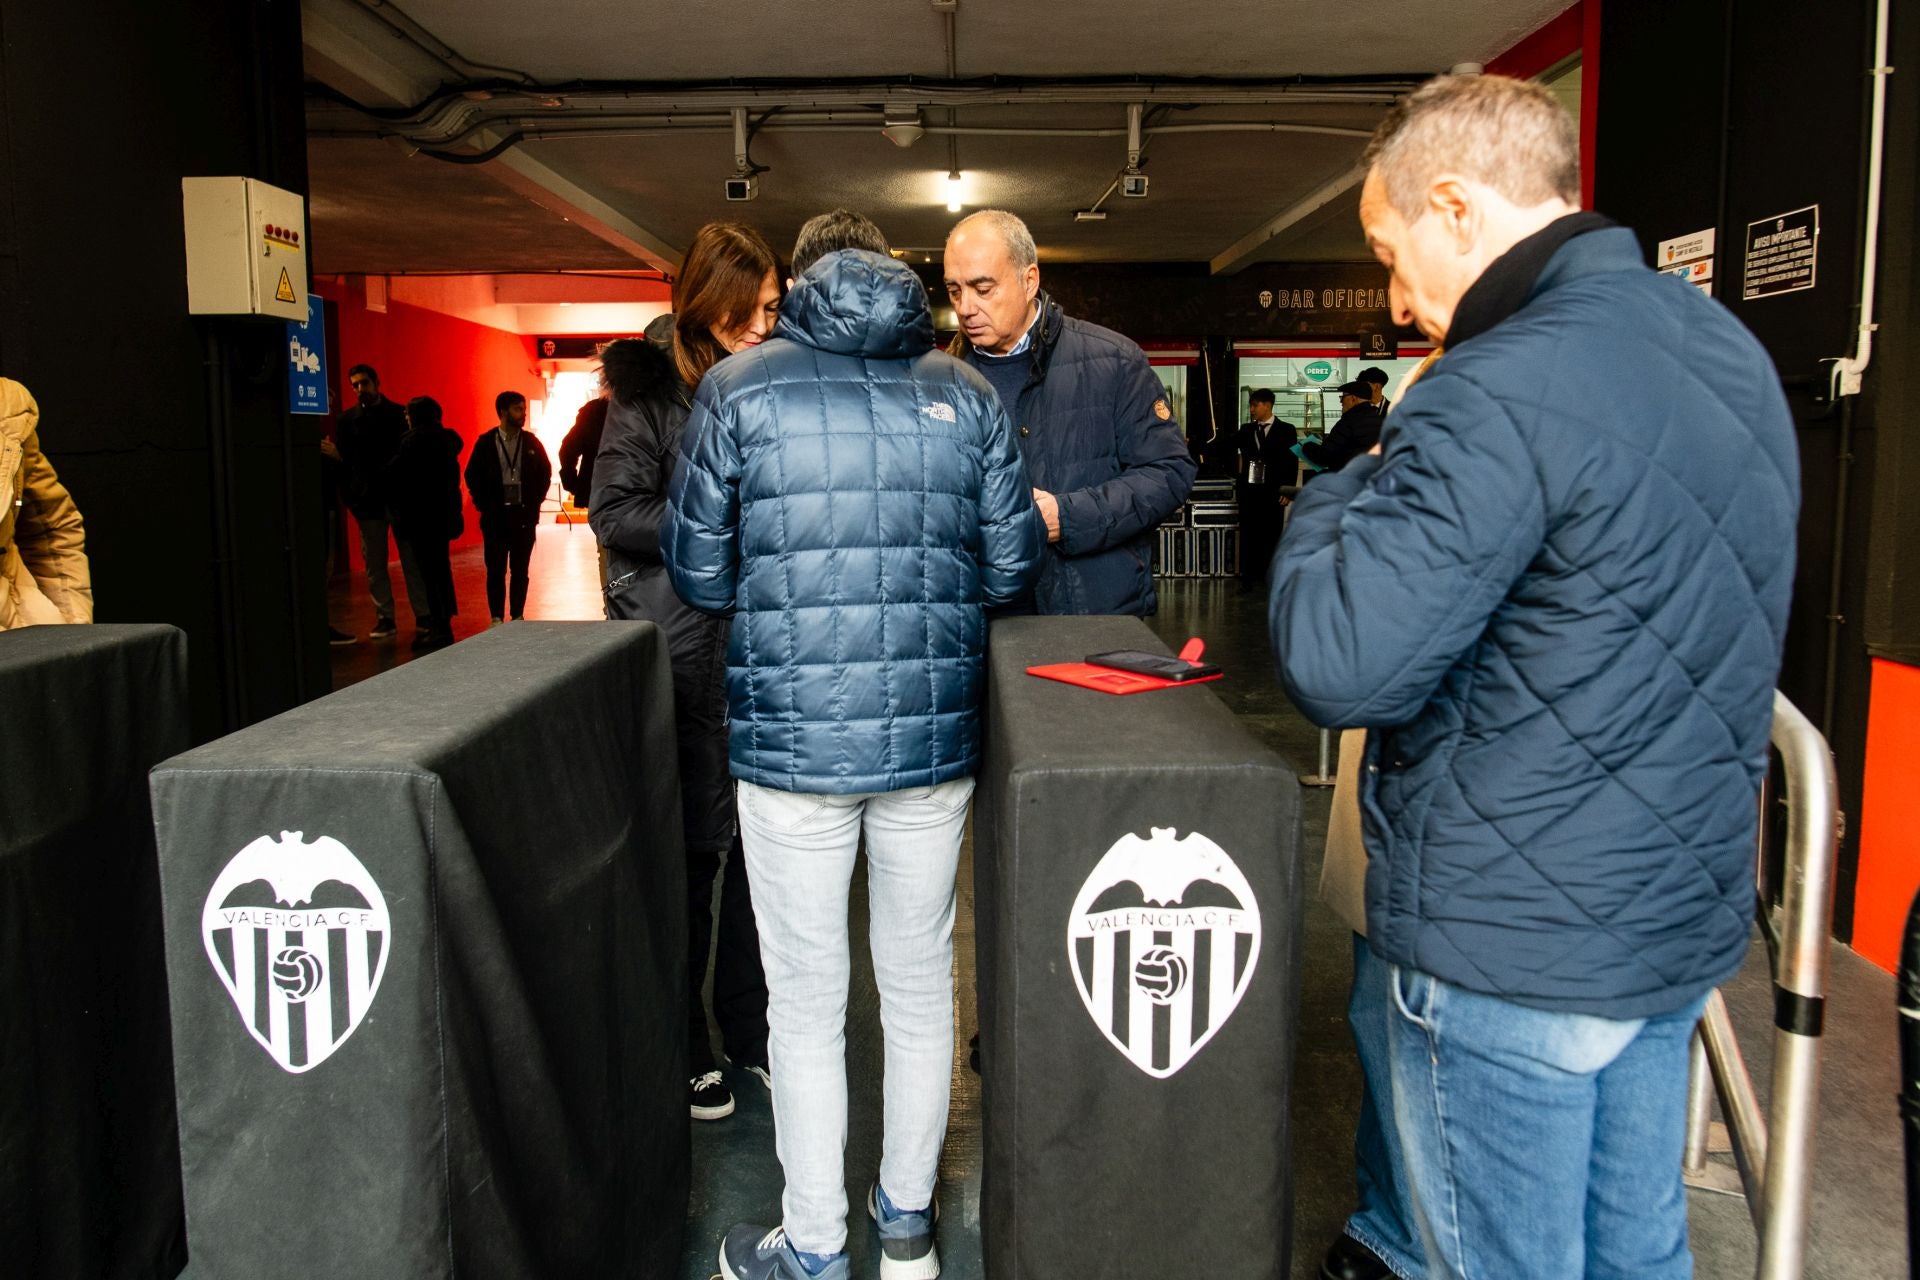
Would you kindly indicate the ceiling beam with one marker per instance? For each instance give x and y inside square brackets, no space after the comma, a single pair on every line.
[358,56]
[1242,250]
[549,188]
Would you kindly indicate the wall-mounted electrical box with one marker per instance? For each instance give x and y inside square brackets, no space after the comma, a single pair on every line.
[246,254]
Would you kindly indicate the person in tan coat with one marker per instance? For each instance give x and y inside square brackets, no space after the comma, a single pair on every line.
[43,558]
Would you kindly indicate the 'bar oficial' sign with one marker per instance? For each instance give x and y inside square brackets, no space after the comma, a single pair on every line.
[1267,300]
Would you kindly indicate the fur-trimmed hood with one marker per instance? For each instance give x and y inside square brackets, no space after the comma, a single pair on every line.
[635,368]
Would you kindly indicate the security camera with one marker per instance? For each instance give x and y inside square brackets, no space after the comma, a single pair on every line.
[745,187]
[1133,185]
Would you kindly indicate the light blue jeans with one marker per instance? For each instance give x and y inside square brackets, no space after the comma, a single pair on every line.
[1541,1144]
[800,855]
[1383,1219]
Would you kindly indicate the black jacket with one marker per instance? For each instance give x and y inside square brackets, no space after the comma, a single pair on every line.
[368,437]
[1357,431]
[580,447]
[1276,451]
[646,409]
[484,479]
[422,485]
[1095,431]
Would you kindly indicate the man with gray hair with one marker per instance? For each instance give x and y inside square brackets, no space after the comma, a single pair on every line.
[1555,594]
[1106,459]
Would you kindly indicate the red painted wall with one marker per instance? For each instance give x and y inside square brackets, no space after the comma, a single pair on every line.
[418,352]
[1889,814]
[1576,30]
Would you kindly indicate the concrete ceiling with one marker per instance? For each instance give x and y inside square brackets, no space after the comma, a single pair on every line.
[632,193]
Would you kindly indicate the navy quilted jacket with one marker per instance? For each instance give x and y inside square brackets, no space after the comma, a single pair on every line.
[853,499]
[1096,432]
[1559,598]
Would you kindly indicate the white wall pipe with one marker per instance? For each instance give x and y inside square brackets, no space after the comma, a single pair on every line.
[1849,370]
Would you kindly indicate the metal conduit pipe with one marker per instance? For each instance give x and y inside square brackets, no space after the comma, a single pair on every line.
[827,122]
[1002,91]
[433,46]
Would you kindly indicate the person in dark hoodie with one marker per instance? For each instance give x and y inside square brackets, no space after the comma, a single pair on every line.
[423,495]
[725,300]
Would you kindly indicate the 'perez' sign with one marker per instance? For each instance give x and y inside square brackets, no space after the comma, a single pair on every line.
[1782,253]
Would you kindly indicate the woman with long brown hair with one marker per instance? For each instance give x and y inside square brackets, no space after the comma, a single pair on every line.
[726,299]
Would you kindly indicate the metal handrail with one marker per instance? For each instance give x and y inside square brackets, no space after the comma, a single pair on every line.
[1774,1153]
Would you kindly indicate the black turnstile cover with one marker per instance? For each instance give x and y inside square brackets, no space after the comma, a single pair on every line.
[89,1168]
[426,942]
[1138,901]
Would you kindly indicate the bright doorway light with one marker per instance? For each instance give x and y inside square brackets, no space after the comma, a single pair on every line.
[566,392]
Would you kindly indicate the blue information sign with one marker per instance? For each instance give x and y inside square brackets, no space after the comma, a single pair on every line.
[307,359]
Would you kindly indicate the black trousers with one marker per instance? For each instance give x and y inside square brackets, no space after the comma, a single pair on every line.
[435,558]
[1261,516]
[739,981]
[508,542]
[711,831]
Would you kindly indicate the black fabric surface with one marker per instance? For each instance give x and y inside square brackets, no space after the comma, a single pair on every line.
[89,1167]
[1090,1159]
[513,1103]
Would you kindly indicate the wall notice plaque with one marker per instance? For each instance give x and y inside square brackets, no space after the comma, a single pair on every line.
[1782,253]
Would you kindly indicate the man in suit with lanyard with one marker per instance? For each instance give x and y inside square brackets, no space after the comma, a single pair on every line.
[1264,461]
[508,475]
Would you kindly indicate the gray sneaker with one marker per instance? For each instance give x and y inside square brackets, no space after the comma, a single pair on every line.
[755,1253]
[906,1240]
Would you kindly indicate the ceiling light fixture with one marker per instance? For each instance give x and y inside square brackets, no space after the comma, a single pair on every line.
[954,190]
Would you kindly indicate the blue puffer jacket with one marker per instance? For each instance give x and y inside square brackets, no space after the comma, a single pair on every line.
[1560,597]
[853,498]
[1097,433]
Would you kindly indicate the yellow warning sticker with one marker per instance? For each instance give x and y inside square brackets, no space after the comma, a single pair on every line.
[285,292]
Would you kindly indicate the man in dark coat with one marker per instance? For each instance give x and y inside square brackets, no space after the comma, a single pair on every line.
[422,488]
[1107,461]
[368,435]
[1556,598]
[1264,462]
[1357,431]
[580,447]
[508,474]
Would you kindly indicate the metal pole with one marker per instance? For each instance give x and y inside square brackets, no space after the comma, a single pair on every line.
[1800,987]
[1699,1108]
[1909,1006]
[1325,777]
[1746,1127]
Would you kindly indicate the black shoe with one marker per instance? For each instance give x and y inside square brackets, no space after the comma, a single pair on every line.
[335,636]
[1348,1259]
[973,1053]
[383,629]
[708,1097]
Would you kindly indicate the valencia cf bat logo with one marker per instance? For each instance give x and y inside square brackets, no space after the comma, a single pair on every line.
[1164,940]
[299,935]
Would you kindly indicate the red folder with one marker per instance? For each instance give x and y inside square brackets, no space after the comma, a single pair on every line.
[1113,680]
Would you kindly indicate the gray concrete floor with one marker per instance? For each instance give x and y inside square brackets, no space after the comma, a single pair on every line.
[1857,1230]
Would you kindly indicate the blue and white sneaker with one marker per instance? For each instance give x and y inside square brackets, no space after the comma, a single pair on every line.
[906,1238]
[755,1253]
